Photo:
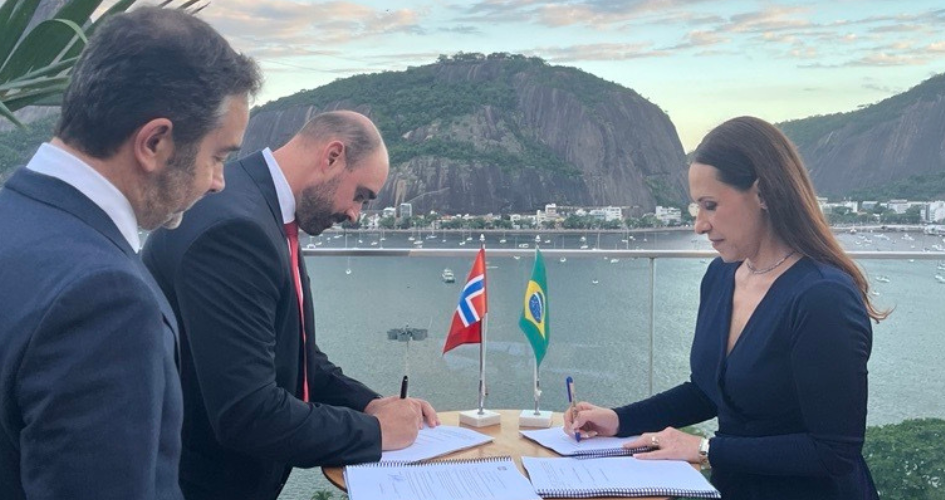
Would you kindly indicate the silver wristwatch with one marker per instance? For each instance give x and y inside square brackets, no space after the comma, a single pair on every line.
[704,454]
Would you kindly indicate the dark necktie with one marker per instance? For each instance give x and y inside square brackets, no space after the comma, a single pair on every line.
[292,233]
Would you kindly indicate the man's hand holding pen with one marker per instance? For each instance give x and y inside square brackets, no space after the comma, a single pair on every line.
[401,418]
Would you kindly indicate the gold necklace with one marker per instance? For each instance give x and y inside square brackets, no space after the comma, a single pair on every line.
[766,270]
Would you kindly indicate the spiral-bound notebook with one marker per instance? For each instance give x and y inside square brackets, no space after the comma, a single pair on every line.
[616,477]
[563,444]
[493,478]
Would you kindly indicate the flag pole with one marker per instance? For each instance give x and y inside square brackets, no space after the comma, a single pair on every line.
[537,380]
[479,417]
[482,343]
[535,418]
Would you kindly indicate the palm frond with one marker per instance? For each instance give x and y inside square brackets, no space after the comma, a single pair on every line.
[35,63]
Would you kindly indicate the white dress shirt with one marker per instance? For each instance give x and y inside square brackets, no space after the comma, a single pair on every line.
[283,191]
[55,162]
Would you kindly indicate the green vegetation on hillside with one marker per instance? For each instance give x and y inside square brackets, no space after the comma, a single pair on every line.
[926,187]
[420,96]
[807,131]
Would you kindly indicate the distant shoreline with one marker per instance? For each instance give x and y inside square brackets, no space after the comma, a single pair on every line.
[900,228]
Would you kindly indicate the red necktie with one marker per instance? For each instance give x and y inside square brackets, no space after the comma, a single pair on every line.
[292,233]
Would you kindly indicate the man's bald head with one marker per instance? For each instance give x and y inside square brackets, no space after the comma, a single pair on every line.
[356,131]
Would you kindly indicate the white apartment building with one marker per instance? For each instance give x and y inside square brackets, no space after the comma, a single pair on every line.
[936,211]
[667,215]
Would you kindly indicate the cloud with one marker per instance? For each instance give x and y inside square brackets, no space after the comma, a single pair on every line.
[769,19]
[885,89]
[594,13]
[883,59]
[462,29]
[598,52]
[303,24]
[937,47]
[698,39]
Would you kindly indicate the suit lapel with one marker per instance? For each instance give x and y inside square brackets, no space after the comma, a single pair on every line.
[255,167]
[56,193]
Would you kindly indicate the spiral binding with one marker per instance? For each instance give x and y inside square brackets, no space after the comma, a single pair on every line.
[612,452]
[499,458]
[627,492]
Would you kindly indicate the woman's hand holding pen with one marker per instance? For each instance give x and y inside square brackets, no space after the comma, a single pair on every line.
[590,420]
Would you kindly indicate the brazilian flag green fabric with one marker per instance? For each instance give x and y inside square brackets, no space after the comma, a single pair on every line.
[534,321]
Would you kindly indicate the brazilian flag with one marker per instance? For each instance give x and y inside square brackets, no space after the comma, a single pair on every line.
[534,321]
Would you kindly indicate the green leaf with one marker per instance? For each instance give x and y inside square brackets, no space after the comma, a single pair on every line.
[41,47]
[35,95]
[15,16]
[6,113]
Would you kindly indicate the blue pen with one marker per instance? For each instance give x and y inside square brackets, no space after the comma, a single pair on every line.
[573,402]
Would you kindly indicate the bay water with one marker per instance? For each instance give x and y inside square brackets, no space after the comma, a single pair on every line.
[599,317]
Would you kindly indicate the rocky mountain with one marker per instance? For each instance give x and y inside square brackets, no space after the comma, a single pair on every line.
[499,133]
[899,138]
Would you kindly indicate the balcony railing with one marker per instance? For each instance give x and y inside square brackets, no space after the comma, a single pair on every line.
[669,299]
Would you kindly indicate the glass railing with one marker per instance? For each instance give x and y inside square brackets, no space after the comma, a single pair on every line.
[621,324]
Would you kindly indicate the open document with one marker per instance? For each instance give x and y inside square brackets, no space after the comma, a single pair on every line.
[495,478]
[616,477]
[436,441]
[563,444]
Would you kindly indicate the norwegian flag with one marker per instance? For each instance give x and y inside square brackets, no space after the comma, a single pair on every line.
[466,327]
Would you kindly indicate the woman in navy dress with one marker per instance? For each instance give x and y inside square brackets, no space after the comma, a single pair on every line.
[782,338]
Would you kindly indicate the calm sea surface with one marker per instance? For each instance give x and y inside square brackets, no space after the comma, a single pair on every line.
[599,322]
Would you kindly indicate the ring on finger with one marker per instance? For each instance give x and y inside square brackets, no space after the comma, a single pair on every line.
[654,441]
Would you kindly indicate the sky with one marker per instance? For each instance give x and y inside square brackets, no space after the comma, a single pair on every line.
[701,61]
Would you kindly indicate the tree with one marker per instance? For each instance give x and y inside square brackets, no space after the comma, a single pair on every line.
[907,460]
[35,62]
[454,223]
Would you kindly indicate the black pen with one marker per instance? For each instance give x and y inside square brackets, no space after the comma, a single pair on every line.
[403,388]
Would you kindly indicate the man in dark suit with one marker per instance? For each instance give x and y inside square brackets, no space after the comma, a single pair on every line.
[90,400]
[259,396]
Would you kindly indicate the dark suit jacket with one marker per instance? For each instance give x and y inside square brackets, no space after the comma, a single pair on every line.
[790,396]
[226,273]
[90,401]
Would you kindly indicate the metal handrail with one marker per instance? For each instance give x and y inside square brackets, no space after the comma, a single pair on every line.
[554,252]
[651,255]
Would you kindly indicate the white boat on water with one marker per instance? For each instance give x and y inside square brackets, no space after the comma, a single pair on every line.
[447,276]
[882,279]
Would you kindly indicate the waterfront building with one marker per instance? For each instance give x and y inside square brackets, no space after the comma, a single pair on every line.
[936,211]
[668,215]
